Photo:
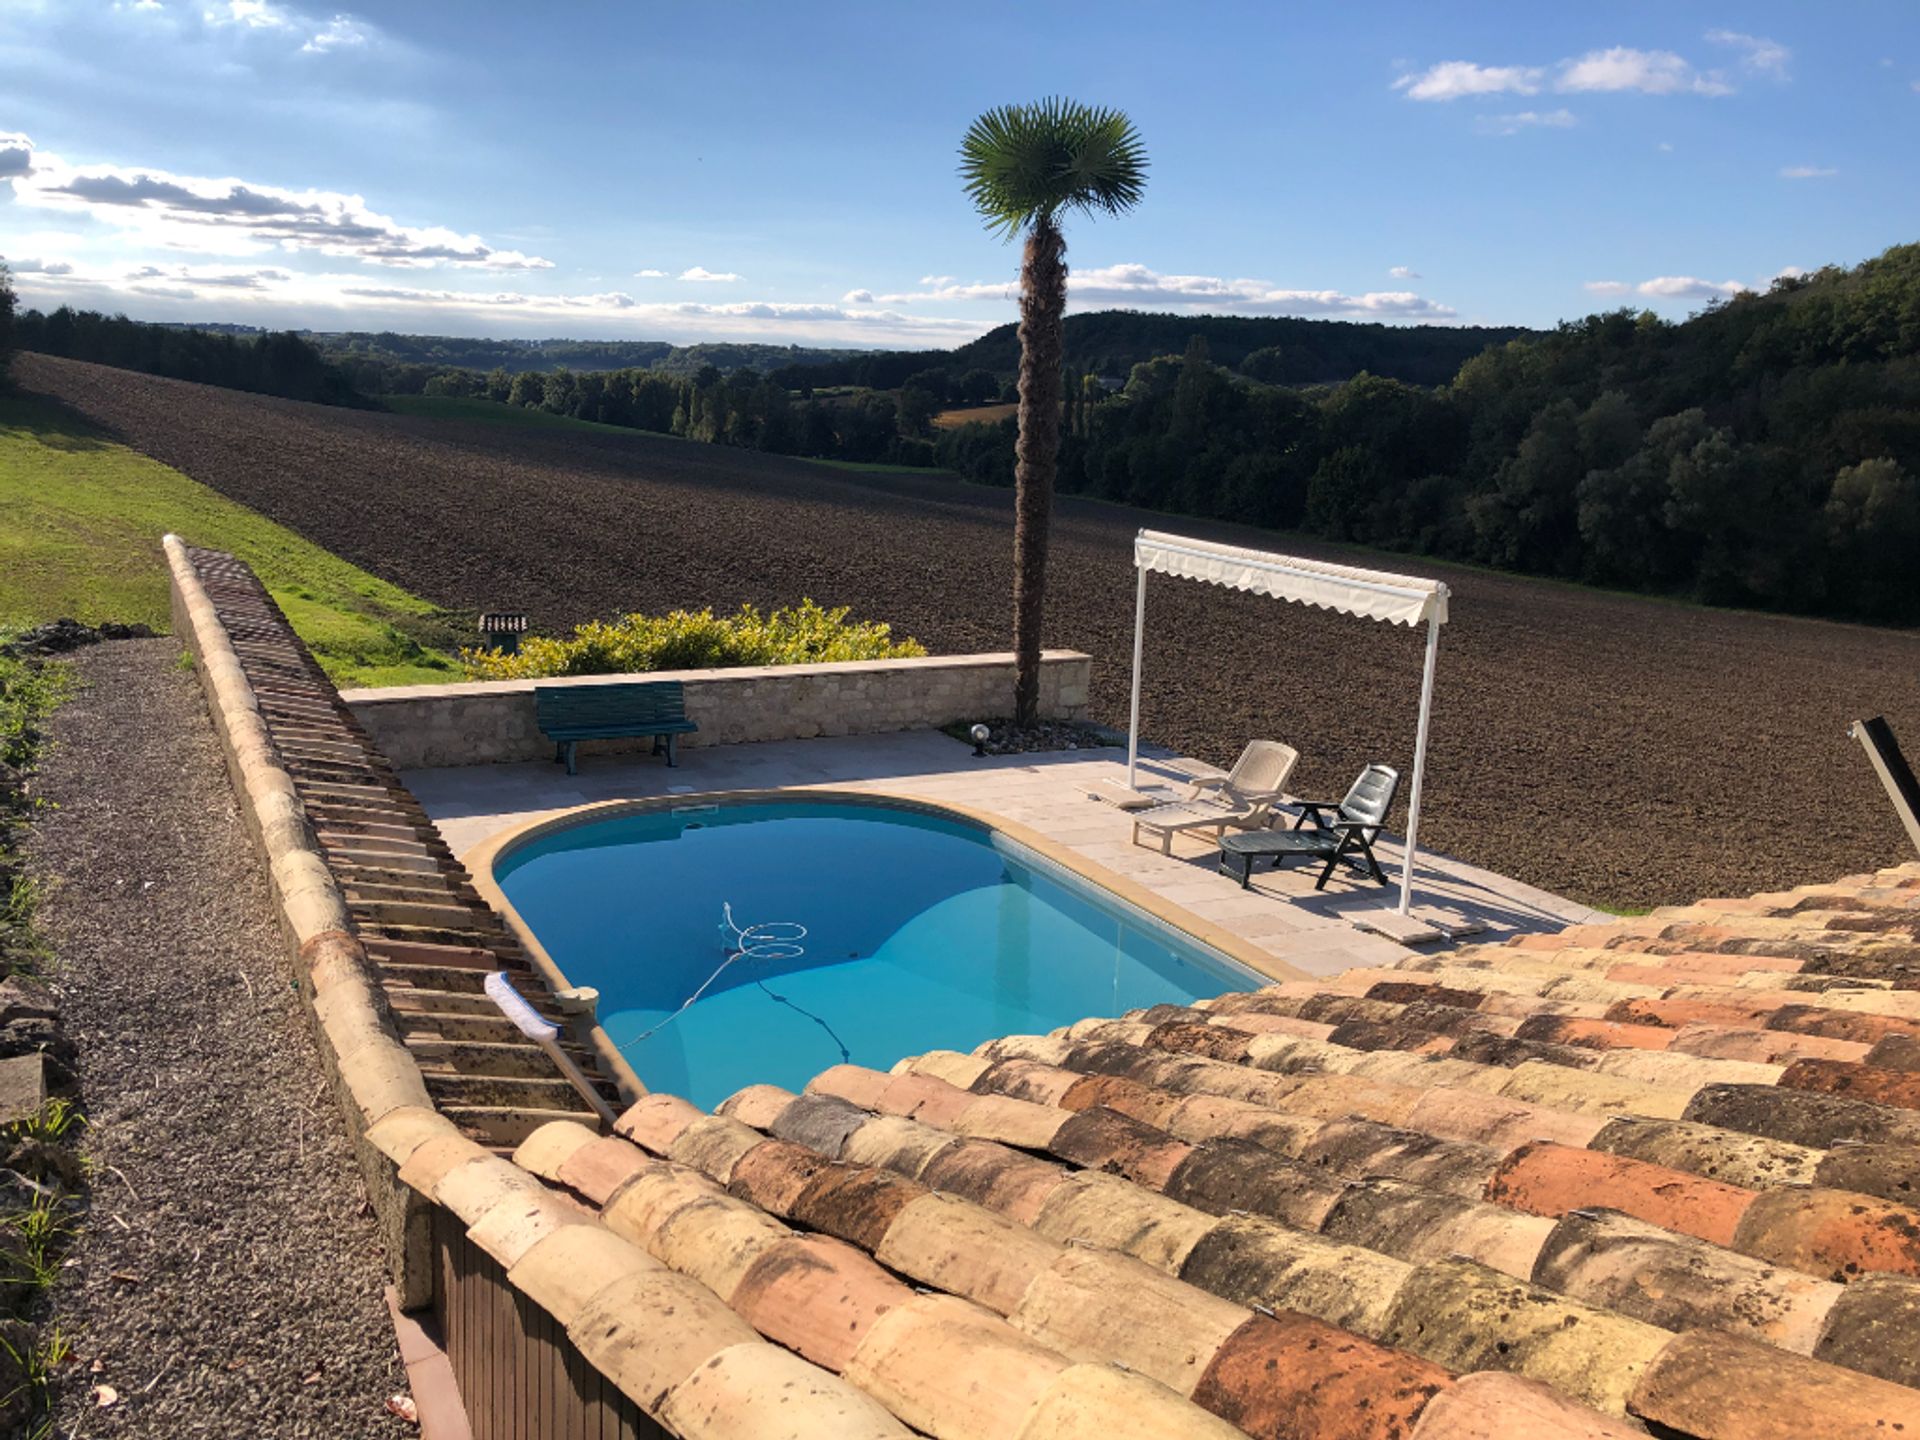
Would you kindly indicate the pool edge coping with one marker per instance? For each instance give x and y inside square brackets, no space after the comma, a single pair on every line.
[481,858]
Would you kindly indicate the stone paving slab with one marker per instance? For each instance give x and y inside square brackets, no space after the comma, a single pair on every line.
[1320,932]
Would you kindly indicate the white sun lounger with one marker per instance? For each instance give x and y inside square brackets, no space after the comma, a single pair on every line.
[1243,797]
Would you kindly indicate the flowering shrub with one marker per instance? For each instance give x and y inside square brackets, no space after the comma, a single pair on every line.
[696,640]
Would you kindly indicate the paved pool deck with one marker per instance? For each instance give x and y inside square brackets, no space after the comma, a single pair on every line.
[1353,922]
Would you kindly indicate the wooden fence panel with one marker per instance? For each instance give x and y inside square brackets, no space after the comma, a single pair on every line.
[519,1374]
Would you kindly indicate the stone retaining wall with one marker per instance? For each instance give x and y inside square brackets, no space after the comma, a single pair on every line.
[487,722]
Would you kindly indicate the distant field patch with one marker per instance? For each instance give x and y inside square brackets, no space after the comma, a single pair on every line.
[493,412]
[84,517]
[496,412]
[974,414]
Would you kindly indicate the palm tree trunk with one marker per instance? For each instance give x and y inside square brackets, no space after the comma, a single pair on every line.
[1043,302]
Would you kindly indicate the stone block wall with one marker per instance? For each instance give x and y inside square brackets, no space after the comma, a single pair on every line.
[488,722]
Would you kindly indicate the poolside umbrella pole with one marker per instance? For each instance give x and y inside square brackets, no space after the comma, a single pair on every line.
[1367,594]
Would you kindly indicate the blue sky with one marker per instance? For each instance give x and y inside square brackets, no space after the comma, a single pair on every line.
[785,172]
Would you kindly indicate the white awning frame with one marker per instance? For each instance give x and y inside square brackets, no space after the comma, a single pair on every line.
[1366,594]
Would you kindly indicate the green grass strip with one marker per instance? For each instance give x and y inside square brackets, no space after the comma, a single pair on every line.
[84,517]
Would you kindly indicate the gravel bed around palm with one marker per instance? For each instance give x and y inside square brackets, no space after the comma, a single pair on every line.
[228,1280]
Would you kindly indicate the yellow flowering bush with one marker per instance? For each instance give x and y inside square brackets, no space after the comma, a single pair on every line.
[696,640]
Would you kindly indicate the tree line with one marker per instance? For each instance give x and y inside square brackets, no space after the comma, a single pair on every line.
[6,324]
[744,409]
[267,364]
[1762,453]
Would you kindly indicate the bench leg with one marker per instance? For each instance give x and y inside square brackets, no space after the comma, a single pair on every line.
[572,767]
[671,761]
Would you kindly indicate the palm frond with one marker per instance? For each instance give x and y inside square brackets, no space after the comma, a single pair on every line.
[1024,163]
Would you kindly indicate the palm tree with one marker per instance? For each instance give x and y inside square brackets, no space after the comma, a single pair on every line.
[1024,166]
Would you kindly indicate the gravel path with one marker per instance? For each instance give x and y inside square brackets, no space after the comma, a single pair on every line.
[228,1280]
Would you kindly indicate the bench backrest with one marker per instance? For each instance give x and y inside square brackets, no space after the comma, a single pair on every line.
[1371,796]
[644,703]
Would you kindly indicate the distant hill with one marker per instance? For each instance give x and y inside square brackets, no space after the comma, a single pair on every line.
[545,356]
[1112,342]
[1276,349]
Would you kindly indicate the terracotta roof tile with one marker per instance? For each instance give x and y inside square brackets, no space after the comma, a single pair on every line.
[1548,1179]
[756,1105]
[1418,1225]
[818,1297]
[1709,1383]
[950,1368]
[1468,1317]
[1680,1283]
[1116,1144]
[1104,1210]
[1754,1161]
[1364,1148]
[1092,1304]
[1891,1172]
[1495,1406]
[1831,1232]
[1261,1263]
[1291,1374]
[1804,1117]
[966,1249]
[754,1389]
[855,1203]
[1219,1176]
[1871,1329]
[1098,1402]
[1899,1088]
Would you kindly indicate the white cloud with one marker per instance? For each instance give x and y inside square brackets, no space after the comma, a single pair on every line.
[229,216]
[1404,272]
[1665,147]
[1806,172]
[699,274]
[342,32]
[1671,287]
[22,265]
[1621,68]
[16,155]
[1757,54]
[936,280]
[1138,287]
[1649,72]
[649,274]
[1453,79]
[857,297]
[1524,120]
[263,17]
[209,278]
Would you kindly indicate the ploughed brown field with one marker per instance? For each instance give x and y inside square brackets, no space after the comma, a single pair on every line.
[1624,751]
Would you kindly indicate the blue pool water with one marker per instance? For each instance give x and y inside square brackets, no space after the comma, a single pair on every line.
[923,933]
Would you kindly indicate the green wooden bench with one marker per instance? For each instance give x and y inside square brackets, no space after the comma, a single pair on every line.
[568,714]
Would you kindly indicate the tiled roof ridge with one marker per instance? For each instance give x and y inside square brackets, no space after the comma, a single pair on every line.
[427,939]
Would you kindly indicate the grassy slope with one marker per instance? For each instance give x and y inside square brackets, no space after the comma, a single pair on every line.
[84,517]
[492,412]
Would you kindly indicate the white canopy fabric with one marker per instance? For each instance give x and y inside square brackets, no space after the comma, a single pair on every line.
[1369,594]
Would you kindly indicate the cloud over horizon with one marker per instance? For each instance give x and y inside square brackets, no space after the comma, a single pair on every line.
[1618,69]
[230,216]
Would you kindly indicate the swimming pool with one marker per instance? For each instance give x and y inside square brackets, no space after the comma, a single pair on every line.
[921,930]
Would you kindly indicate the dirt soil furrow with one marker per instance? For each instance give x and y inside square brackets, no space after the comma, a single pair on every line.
[228,1278]
[1619,749]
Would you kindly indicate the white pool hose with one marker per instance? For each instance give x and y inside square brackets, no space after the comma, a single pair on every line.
[546,1035]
